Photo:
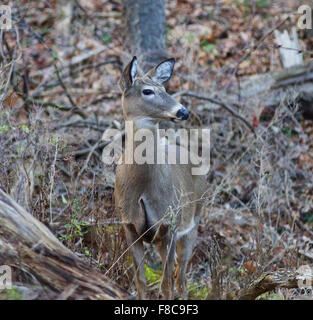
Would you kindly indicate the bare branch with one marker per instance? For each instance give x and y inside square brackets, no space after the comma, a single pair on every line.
[216,101]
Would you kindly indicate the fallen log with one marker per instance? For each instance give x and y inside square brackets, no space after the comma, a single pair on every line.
[27,244]
[271,88]
[278,279]
[260,93]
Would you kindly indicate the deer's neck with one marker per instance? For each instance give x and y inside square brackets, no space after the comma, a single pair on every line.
[146,123]
[142,137]
[149,129]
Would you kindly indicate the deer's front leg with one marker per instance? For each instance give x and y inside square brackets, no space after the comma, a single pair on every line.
[137,251]
[166,248]
[184,251]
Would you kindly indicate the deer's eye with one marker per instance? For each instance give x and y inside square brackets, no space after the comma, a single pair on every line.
[147,92]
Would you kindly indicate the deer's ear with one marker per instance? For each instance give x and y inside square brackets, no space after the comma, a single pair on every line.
[129,75]
[163,71]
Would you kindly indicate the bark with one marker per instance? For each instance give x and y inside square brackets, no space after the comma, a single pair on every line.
[27,244]
[63,26]
[23,182]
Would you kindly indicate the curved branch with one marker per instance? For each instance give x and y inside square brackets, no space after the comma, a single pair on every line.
[215,101]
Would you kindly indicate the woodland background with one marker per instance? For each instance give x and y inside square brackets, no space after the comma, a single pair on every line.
[58,94]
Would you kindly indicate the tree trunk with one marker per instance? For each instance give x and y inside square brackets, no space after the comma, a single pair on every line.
[145,35]
[27,244]
[64,10]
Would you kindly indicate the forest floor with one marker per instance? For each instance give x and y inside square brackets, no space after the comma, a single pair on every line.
[59,101]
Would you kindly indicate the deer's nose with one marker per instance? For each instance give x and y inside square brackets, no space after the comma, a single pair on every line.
[182,114]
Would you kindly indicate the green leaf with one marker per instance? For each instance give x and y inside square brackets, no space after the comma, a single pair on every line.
[64,200]
[13,294]
[152,276]
[106,38]
[4,128]
[25,128]
[208,47]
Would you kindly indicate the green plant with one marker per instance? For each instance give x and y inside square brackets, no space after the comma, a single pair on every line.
[13,294]
[75,226]
[106,38]
[208,47]
[153,276]
[197,291]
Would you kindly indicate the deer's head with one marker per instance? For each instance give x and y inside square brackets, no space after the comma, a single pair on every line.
[145,98]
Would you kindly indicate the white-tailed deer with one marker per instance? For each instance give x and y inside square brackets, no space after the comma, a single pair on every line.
[159,203]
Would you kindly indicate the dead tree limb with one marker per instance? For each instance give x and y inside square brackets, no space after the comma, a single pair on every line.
[272,280]
[27,244]
[266,85]
[223,104]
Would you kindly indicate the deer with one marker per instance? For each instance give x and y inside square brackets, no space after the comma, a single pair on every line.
[158,204]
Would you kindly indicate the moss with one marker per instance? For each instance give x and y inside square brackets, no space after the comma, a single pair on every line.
[197,291]
[270,296]
[152,276]
[12,294]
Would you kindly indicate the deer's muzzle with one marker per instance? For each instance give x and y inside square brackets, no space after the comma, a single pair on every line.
[182,114]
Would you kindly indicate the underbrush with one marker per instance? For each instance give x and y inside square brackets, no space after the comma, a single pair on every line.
[258,215]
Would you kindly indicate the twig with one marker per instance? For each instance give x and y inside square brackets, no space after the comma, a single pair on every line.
[92,150]
[100,126]
[74,70]
[261,41]
[87,150]
[74,105]
[251,49]
[51,104]
[52,179]
[65,171]
[13,57]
